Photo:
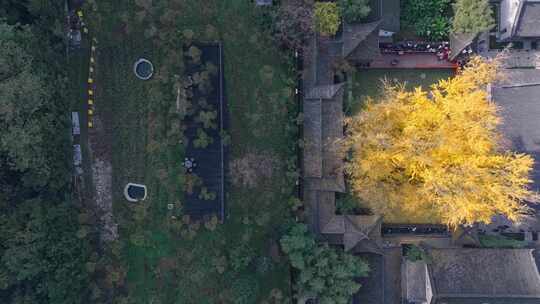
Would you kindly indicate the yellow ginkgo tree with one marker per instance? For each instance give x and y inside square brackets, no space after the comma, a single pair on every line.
[437,156]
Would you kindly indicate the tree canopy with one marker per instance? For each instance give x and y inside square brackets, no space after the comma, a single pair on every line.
[327,18]
[42,260]
[33,142]
[44,249]
[472,16]
[437,155]
[291,23]
[354,10]
[23,93]
[324,272]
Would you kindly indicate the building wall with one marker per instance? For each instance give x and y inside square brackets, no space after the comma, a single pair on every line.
[429,291]
[507,16]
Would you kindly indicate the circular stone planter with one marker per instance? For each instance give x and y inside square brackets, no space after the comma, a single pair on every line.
[135,192]
[143,69]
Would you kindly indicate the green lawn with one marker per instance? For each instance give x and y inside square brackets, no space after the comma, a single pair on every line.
[168,260]
[369,82]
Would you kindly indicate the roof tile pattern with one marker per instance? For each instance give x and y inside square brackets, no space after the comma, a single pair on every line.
[484,273]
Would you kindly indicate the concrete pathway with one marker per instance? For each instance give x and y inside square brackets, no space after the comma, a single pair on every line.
[411,61]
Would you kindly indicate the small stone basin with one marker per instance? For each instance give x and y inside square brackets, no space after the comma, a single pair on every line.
[135,192]
[143,69]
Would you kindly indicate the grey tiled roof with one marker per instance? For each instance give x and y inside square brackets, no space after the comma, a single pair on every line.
[529,20]
[388,11]
[372,289]
[312,138]
[415,281]
[323,129]
[459,42]
[390,15]
[355,34]
[519,100]
[328,91]
[486,273]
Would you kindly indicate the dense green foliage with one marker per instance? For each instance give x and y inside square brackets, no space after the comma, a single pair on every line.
[428,18]
[28,105]
[325,272]
[327,18]
[415,253]
[354,10]
[17,11]
[472,16]
[498,241]
[43,250]
[245,290]
[42,260]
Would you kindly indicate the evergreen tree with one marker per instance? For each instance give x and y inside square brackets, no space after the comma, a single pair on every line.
[325,272]
[472,16]
[354,10]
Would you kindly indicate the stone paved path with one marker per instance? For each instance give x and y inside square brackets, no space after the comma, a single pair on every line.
[411,61]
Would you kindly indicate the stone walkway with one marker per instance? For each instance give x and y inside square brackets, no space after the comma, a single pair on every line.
[436,241]
[411,61]
[392,275]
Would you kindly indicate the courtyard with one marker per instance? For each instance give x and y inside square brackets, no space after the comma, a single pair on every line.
[369,83]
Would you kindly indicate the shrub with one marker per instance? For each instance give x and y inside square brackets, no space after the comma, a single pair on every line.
[245,290]
[206,195]
[190,182]
[346,205]
[263,265]
[225,137]
[327,18]
[137,239]
[150,32]
[295,203]
[188,35]
[208,119]
[144,4]
[202,140]
[202,80]
[211,68]
[211,223]
[211,33]
[240,256]
[354,10]
[267,74]
[415,253]
[498,241]
[194,53]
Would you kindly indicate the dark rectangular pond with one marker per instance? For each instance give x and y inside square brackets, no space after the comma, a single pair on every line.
[206,120]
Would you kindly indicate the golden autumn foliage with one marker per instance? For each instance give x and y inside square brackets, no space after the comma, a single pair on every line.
[436,156]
